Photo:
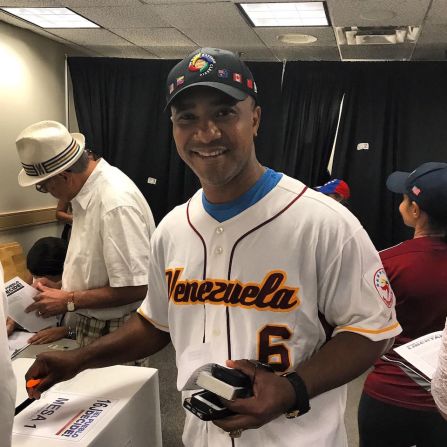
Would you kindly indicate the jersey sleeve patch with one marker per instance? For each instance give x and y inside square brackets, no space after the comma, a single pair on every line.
[383,287]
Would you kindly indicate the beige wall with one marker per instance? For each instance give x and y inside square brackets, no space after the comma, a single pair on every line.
[32,88]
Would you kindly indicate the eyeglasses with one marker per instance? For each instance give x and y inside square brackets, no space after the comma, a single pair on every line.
[41,187]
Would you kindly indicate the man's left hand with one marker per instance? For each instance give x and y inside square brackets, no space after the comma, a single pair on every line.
[49,301]
[272,396]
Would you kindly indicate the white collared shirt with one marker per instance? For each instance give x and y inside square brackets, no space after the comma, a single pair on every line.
[109,244]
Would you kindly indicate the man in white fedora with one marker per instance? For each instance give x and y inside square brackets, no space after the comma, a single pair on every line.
[106,269]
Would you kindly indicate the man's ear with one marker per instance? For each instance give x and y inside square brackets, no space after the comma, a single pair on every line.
[65,175]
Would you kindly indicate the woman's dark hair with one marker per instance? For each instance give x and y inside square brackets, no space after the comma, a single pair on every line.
[438,225]
[47,256]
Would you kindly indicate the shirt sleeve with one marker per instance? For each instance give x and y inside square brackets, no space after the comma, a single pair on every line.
[439,381]
[156,304]
[126,247]
[356,295]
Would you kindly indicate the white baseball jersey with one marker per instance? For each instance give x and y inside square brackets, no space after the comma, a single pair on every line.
[253,286]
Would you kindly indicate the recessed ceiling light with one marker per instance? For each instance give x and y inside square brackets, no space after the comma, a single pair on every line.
[296,39]
[286,14]
[51,17]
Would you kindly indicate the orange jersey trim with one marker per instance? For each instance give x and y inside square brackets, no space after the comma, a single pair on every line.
[155,323]
[369,331]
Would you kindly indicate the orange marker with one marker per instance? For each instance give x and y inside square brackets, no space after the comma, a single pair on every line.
[32,383]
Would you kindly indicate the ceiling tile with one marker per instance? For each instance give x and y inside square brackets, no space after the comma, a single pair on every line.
[158,37]
[224,38]
[88,37]
[124,52]
[29,3]
[202,16]
[377,12]
[138,16]
[430,53]
[377,52]
[172,52]
[433,34]
[77,3]
[438,13]
[301,53]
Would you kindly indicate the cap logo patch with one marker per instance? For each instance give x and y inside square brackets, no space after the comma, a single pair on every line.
[237,77]
[180,80]
[223,73]
[415,190]
[383,287]
[250,84]
[171,88]
[202,63]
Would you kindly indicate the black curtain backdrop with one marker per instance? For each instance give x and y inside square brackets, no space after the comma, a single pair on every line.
[371,116]
[398,108]
[268,80]
[310,106]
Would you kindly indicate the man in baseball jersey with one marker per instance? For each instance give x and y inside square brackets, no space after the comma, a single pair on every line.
[243,270]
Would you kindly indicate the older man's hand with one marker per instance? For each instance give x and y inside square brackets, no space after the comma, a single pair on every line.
[49,301]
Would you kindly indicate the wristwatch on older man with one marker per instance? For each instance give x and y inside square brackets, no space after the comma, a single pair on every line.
[70,303]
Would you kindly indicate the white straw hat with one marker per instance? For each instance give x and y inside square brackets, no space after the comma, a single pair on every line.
[45,149]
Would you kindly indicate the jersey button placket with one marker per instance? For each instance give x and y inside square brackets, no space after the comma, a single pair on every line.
[219,250]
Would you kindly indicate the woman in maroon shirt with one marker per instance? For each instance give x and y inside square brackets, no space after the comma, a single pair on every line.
[394,410]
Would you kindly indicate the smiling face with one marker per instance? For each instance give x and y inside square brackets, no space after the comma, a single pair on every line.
[214,135]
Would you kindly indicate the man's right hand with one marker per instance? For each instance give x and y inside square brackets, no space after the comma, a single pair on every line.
[52,368]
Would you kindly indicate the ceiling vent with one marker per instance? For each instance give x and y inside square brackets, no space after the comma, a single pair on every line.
[387,35]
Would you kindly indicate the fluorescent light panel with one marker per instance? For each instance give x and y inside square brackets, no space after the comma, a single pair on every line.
[286,14]
[51,17]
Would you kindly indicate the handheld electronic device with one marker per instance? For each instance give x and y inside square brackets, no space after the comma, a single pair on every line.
[225,382]
[207,406]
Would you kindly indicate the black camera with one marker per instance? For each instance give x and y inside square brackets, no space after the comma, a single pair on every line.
[221,382]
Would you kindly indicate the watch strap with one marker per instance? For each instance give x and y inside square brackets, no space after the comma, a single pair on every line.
[301,405]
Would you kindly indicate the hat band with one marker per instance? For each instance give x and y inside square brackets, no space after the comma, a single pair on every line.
[54,163]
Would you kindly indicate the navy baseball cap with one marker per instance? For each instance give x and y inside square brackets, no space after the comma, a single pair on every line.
[426,185]
[211,67]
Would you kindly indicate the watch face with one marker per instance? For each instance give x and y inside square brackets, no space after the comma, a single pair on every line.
[70,306]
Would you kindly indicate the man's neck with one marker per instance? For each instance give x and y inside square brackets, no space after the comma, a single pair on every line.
[82,177]
[237,187]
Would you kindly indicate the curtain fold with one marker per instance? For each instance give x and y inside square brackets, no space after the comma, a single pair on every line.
[311,97]
[370,117]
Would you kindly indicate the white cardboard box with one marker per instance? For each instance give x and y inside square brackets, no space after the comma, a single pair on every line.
[117,406]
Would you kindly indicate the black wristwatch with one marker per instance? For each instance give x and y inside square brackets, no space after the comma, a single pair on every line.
[301,405]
